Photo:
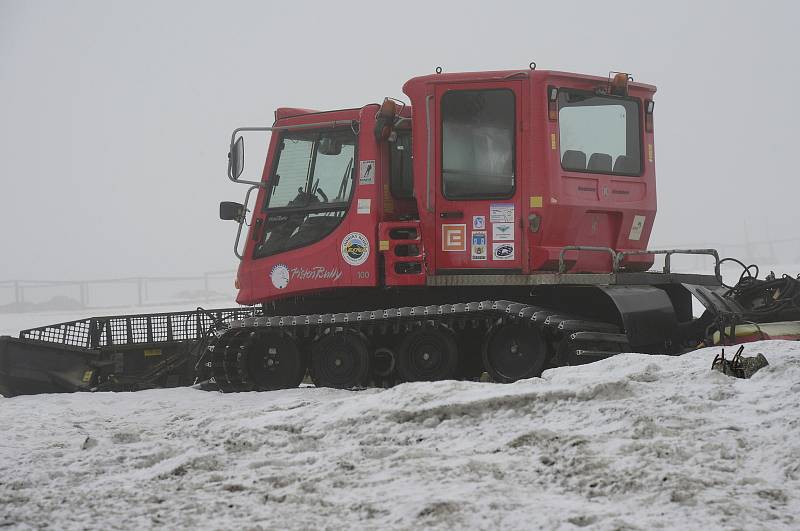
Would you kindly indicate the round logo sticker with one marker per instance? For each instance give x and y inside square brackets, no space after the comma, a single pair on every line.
[279,276]
[355,248]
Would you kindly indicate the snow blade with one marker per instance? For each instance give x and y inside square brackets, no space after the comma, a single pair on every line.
[30,367]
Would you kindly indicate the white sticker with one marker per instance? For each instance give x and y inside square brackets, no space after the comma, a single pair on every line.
[279,276]
[503,231]
[478,249]
[501,212]
[355,248]
[478,222]
[454,237]
[502,251]
[366,172]
[364,206]
[636,228]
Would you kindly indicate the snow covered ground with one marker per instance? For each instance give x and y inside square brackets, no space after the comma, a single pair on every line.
[632,442]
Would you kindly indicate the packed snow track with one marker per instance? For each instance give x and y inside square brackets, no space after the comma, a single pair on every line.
[634,441]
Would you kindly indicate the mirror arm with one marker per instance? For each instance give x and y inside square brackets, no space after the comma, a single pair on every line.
[242,220]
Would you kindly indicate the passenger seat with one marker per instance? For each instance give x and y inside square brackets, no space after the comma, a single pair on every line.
[600,162]
[624,164]
[573,160]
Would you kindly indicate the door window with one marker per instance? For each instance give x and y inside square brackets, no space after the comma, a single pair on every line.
[310,189]
[478,144]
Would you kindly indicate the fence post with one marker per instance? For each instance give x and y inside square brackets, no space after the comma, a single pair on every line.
[84,291]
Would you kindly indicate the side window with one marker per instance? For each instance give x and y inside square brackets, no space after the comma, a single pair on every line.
[401,180]
[478,144]
[292,172]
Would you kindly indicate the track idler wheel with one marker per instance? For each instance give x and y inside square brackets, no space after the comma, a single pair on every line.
[514,352]
[428,354]
[225,367]
[340,360]
[274,362]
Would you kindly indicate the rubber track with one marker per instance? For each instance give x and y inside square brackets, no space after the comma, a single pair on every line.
[228,352]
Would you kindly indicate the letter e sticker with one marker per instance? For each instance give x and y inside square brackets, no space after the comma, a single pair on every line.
[454,237]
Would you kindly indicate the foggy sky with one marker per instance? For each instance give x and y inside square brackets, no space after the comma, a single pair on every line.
[115,116]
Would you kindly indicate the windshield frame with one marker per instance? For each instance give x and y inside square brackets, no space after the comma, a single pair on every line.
[611,99]
[318,206]
[260,250]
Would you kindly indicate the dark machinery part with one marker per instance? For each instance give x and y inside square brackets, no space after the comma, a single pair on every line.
[739,366]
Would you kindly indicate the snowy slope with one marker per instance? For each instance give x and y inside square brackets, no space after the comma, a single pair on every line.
[634,441]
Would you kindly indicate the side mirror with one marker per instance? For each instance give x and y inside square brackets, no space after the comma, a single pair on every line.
[236,159]
[329,145]
[230,210]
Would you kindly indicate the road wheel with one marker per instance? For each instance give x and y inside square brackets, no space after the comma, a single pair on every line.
[340,360]
[428,354]
[513,352]
[274,362]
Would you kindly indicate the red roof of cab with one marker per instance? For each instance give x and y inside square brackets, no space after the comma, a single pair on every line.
[499,75]
[288,112]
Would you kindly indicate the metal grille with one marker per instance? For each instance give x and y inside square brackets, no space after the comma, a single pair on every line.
[96,332]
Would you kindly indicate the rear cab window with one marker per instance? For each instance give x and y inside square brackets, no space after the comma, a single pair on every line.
[599,134]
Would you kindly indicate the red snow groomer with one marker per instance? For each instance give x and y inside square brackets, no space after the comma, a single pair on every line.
[498,223]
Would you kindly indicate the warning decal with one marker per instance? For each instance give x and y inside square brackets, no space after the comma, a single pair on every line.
[366,172]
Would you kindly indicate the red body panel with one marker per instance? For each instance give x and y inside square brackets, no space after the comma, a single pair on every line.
[574,208]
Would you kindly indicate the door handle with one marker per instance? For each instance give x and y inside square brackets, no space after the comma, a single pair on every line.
[256,233]
[452,214]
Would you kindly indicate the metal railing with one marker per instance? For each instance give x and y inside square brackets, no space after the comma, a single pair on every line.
[618,258]
[17,296]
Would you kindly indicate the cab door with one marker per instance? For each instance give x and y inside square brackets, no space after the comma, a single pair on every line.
[478,185]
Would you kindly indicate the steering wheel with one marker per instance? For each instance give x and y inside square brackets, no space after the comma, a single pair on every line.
[322,194]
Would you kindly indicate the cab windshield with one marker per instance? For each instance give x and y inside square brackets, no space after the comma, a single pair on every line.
[599,134]
[310,188]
